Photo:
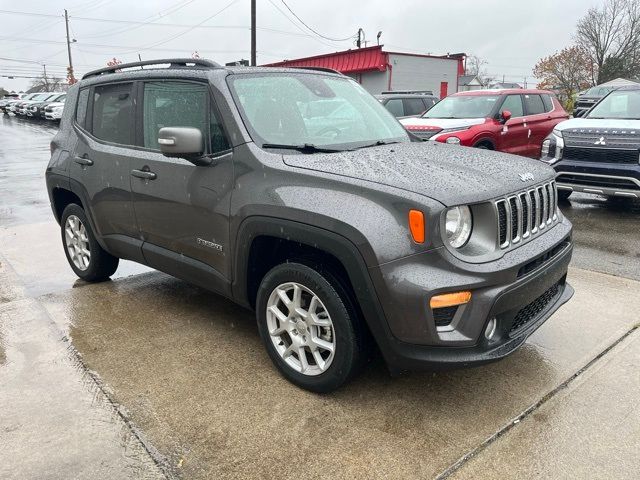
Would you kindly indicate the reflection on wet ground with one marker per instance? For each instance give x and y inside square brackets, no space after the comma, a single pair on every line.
[95,378]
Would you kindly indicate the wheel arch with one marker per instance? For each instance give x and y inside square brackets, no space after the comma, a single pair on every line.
[264,242]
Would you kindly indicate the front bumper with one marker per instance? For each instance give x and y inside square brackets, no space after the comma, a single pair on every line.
[520,297]
[618,180]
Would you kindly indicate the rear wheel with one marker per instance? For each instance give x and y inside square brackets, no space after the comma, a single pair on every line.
[86,257]
[307,327]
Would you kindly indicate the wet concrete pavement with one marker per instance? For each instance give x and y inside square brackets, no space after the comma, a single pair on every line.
[146,375]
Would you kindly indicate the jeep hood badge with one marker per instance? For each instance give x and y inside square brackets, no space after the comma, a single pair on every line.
[526,177]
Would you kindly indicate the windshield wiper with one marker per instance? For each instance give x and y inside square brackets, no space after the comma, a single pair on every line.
[305,147]
[377,143]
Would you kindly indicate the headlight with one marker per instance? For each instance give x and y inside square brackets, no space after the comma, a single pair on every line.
[458,226]
[545,147]
[557,133]
[453,140]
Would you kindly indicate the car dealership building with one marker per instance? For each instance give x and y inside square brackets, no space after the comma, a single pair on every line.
[379,70]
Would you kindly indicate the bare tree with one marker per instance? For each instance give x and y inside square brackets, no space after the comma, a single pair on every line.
[48,83]
[610,36]
[475,65]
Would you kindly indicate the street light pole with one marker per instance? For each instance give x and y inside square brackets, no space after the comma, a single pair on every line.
[253,33]
[72,79]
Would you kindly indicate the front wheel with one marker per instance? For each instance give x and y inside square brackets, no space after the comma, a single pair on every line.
[308,328]
[86,257]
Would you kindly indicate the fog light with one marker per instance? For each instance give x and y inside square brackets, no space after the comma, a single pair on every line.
[490,331]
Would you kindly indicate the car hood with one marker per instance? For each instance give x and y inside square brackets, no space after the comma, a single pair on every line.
[443,123]
[451,174]
[595,123]
[56,104]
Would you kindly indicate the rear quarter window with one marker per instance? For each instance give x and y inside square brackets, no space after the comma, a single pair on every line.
[548,102]
[81,107]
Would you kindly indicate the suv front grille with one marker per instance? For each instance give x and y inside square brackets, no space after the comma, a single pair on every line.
[526,213]
[531,311]
[603,155]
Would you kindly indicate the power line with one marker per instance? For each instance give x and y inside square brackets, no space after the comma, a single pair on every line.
[314,31]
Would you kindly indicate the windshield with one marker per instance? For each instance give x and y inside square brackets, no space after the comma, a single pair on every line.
[598,91]
[463,106]
[622,104]
[318,110]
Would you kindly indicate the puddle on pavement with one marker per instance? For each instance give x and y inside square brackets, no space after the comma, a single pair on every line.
[51,405]
[192,371]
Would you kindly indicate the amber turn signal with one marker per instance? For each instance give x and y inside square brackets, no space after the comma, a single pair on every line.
[450,299]
[416,225]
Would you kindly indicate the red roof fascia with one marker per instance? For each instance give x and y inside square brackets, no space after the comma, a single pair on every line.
[349,61]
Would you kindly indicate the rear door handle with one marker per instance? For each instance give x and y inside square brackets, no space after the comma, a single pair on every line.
[144,174]
[84,161]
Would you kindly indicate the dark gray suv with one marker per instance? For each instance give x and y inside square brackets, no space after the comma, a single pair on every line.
[339,231]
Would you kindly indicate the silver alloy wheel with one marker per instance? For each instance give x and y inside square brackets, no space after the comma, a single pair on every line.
[301,329]
[77,242]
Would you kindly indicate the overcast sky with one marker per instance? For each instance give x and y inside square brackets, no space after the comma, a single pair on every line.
[510,34]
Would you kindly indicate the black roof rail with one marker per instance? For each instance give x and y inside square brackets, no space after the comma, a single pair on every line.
[317,69]
[407,92]
[173,63]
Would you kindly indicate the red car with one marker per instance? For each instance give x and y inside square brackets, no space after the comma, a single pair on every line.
[514,121]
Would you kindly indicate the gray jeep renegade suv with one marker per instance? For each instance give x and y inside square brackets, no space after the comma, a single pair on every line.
[295,193]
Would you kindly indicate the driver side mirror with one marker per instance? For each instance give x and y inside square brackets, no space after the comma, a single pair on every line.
[505,115]
[183,142]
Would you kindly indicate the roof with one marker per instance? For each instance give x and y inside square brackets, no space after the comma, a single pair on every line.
[503,91]
[618,82]
[348,61]
[467,79]
[505,85]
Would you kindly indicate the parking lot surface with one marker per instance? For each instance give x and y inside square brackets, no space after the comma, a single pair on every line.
[146,376]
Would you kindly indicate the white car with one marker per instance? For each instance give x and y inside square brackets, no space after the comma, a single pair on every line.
[54,111]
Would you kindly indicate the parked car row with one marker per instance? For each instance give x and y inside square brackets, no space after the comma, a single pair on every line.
[44,106]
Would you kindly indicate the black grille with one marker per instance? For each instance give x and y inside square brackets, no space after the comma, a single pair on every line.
[595,182]
[514,217]
[444,316]
[525,211]
[534,309]
[542,259]
[534,210]
[602,155]
[424,134]
[502,222]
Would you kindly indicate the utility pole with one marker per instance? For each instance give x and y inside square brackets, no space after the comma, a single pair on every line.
[72,79]
[253,33]
[44,76]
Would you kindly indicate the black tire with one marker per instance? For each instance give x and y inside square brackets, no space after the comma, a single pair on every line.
[563,195]
[350,339]
[483,146]
[101,263]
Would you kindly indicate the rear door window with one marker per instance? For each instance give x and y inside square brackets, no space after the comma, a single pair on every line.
[112,119]
[533,104]
[395,107]
[413,106]
[513,103]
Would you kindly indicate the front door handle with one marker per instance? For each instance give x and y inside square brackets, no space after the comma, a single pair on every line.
[84,161]
[146,175]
